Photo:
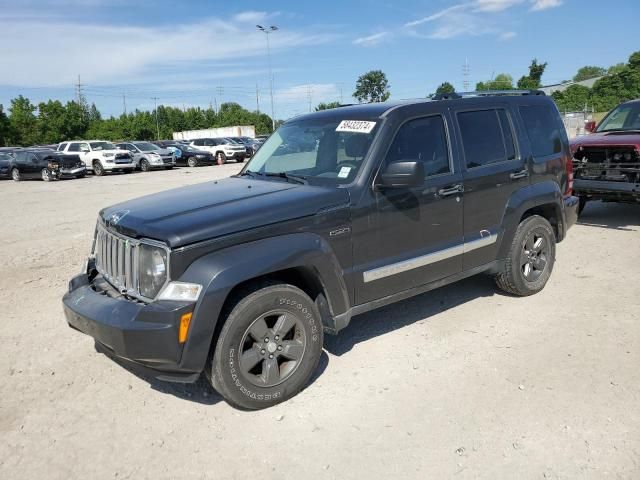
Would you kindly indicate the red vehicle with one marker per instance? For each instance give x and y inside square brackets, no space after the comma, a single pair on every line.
[606,163]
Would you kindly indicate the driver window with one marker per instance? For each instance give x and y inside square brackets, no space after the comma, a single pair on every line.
[423,140]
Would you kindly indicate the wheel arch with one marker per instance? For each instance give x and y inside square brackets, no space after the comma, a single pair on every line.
[304,260]
[543,199]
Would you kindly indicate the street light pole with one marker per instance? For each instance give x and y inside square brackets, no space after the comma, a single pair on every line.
[267,31]
[155,99]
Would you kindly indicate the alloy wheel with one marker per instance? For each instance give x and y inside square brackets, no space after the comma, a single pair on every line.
[535,252]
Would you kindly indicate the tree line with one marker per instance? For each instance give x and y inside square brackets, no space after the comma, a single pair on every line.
[52,122]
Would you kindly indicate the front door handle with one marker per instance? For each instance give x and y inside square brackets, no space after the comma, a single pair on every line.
[521,174]
[451,190]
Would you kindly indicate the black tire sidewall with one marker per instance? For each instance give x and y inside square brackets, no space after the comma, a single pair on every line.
[542,226]
[192,162]
[225,373]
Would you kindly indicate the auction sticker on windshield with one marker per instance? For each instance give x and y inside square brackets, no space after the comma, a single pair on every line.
[355,126]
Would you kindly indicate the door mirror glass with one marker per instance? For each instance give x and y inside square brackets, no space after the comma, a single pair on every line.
[402,174]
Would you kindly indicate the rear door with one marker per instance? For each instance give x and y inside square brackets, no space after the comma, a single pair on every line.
[493,170]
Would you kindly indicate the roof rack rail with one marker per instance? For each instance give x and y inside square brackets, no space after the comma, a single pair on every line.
[485,93]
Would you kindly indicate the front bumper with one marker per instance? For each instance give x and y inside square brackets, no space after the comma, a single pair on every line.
[73,171]
[603,190]
[118,166]
[139,333]
[236,155]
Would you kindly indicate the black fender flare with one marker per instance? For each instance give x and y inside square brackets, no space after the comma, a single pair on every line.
[220,271]
[524,199]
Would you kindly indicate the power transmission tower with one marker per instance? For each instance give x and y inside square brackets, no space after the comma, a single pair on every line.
[220,91]
[341,98]
[79,91]
[257,99]
[465,75]
[155,99]
[124,103]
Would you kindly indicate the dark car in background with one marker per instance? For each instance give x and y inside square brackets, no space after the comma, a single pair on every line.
[45,164]
[188,155]
[606,163]
[251,144]
[6,162]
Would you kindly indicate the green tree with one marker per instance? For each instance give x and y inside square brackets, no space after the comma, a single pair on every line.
[51,122]
[372,87]
[573,99]
[445,87]
[634,60]
[5,128]
[617,68]
[327,106]
[23,122]
[588,72]
[533,80]
[503,81]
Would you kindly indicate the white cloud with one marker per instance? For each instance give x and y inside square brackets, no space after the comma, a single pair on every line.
[251,17]
[319,92]
[104,53]
[435,16]
[371,40]
[495,5]
[507,35]
[545,4]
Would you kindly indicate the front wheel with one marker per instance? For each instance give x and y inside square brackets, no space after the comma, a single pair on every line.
[144,165]
[46,175]
[192,162]
[531,258]
[15,174]
[221,158]
[98,169]
[269,347]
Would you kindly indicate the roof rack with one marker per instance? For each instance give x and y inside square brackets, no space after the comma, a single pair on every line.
[485,93]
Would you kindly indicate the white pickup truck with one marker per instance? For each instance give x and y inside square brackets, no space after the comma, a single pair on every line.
[222,148]
[100,156]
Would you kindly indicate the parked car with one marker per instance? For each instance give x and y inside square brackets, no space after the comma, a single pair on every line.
[250,144]
[99,156]
[148,156]
[240,277]
[221,148]
[44,164]
[190,156]
[6,162]
[606,163]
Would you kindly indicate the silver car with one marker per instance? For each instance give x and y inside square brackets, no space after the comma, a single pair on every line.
[147,156]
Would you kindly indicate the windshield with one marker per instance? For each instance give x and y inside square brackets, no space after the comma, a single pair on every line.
[147,147]
[326,150]
[102,146]
[4,156]
[624,117]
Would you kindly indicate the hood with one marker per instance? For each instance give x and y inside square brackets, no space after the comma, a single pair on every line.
[200,212]
[607,139]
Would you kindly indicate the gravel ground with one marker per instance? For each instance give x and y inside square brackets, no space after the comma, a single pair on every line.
[462,382]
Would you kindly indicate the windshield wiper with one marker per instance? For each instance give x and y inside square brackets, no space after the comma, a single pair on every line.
[248,173]
[287,176]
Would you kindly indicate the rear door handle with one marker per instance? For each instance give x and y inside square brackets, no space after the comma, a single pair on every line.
[452,190]
[520,174]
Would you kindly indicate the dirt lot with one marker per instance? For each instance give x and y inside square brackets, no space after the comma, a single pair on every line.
[462,382]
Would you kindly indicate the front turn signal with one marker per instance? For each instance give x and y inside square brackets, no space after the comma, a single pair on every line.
[183,331]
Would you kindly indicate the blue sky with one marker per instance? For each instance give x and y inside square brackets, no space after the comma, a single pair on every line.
[196,52]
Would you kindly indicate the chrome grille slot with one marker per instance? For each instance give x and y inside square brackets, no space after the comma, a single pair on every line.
[117,260]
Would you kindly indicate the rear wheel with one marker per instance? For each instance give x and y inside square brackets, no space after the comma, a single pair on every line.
[221,158]
[192,162]
[15,174]
[98,169]
[531,258]
[269,347]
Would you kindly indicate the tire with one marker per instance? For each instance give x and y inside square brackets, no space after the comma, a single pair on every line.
[192,162]
[128,170]
[46,175]
[144,165]
[168,168]
[15,174]
[581,204]
[221,158]
[98,169]
[274,370]
[531,258]
[80,176]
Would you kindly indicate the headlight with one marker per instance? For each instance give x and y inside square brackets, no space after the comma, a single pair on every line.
[153,269]
[109,155]
[181,292]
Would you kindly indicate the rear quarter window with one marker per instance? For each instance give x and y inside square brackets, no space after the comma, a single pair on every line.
[543,129]
[487,137]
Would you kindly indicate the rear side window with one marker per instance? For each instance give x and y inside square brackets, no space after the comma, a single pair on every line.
[543,129]
[423,140]
[61,147]
[74,147]
[487,137]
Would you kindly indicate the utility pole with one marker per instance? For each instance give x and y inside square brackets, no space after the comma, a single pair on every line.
[341,98]
[268,31]
[309,96]
[124,103]
[155,99]
[257,99]
[465,75]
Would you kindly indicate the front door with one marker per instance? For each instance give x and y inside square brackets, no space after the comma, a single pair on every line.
[405,238]
[494,170]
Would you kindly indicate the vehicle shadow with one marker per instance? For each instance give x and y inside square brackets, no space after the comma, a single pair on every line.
[397,315]
[616,216]
[199,391]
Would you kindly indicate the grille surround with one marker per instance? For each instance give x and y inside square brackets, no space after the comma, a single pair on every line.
[117,259]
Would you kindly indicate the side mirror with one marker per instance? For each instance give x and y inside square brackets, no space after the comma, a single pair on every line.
[590,126]
[402,174]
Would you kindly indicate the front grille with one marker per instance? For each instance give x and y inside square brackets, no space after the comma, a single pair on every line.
[122,156]
[117,260]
